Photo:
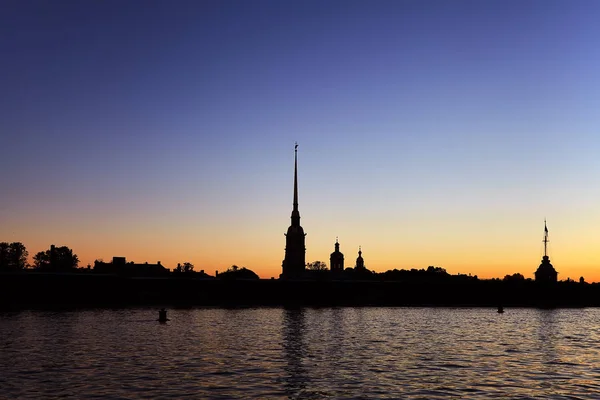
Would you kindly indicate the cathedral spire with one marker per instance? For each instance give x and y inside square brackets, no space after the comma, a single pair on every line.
[294,263]
[295,212]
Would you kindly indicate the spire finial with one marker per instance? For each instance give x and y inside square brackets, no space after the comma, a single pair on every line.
[336,239]
[545,239]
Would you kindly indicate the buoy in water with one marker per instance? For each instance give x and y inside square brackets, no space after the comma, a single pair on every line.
[162,315]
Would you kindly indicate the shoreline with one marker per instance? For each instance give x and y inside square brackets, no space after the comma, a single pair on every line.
[34,290]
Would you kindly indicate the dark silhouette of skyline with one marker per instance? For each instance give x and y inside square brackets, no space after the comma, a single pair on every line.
[57,280]
[13,257]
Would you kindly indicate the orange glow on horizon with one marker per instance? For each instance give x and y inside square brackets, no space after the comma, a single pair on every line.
[268,267]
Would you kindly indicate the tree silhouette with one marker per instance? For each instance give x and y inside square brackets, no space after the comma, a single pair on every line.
[316,266]
[514,277]
[436,270]
[56,259]
[186,267]
[13,256]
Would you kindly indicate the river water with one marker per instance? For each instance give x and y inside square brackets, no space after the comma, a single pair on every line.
[360,353]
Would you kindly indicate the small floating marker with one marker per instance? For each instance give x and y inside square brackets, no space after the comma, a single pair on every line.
[162,315]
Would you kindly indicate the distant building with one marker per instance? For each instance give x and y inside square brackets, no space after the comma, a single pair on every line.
[119,265]
[546,272]
[360,263]
[294,263]
[336,260]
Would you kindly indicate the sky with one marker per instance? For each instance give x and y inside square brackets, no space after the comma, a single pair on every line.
[429,132]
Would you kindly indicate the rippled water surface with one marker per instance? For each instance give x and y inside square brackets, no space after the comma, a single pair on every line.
[403,353]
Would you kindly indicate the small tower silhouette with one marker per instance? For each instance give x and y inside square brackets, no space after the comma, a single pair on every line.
[360,263]
[546,272]
[336,260]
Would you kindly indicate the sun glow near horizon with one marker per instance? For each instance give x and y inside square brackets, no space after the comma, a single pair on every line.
[486,259]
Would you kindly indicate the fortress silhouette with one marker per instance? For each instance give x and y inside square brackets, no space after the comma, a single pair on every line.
[121,283]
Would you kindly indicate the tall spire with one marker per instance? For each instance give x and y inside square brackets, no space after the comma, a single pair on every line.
[545,239]
[294,263]
[295,212]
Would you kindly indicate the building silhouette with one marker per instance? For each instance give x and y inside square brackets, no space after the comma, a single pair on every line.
[546,272]
[336,260]
[119,265]
[360,263]
[294,263]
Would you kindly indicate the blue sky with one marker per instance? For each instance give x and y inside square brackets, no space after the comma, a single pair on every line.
[169,126]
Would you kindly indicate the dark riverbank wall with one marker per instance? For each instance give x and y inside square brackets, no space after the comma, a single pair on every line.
[33,290]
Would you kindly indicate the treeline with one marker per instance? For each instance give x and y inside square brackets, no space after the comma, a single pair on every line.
[319,270]
[14,257]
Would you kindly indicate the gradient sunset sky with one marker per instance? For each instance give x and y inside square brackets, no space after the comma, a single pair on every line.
[430,132]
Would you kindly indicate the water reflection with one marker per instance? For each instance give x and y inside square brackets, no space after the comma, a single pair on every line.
[262,353]
[548,333]
[294,349]
[547,346]
[336,335]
